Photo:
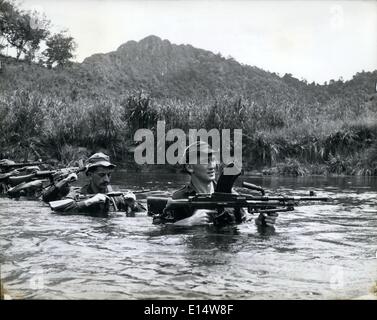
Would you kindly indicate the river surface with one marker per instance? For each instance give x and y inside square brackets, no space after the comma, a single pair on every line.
[320,251]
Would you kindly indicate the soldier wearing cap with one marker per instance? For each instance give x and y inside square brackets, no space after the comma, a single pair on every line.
[99,170]
[203,180]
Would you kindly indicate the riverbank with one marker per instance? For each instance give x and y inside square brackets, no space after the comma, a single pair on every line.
[326,139]
[291,168]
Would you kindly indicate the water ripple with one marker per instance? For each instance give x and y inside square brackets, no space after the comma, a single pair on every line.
[322,251]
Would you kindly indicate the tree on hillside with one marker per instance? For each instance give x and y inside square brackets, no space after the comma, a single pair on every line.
[2,45]
[60,48]
[6,10]
[22,30]
[38,32]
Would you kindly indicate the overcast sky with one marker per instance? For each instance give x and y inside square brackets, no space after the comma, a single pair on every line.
[314,40]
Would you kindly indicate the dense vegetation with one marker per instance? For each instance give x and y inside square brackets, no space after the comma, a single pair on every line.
[66,111]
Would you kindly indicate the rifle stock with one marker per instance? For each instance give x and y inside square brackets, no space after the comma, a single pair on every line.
[13,181]
[30,186]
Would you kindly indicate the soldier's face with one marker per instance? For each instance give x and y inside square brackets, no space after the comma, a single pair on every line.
[204,172]
[101,177]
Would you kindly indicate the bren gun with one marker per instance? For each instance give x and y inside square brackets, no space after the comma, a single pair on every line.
[171,210]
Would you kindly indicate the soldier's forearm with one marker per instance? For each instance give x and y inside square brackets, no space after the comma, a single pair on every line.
[55,193]
[62,183]
[81,205]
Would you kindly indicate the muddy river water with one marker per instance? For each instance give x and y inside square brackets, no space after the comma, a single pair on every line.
[320,251]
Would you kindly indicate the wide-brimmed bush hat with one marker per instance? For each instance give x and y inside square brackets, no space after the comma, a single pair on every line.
[99,160]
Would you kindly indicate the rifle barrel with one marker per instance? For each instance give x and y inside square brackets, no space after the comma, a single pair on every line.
[237,201]
[45,173]
[242,197]
[226,204]
[58,172]
[286,199]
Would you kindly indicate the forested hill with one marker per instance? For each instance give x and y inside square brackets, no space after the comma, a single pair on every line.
[163,69]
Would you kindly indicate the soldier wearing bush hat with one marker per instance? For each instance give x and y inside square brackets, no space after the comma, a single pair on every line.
[99,170]
[99,160]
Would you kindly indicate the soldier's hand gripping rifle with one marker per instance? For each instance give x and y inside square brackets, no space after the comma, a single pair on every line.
[35,181]
[124,201]
[100,203]
[219,203]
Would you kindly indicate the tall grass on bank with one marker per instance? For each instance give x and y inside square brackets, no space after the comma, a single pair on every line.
[295,139]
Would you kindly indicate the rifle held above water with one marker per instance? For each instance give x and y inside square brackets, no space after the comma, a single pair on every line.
[219,200]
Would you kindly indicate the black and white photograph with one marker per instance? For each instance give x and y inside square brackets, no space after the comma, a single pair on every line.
[188,150]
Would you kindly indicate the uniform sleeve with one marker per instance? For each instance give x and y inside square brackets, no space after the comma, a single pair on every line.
[70,203]
[54,193]
[174,215]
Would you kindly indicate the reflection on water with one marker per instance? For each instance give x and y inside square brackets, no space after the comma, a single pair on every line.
[315,252]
